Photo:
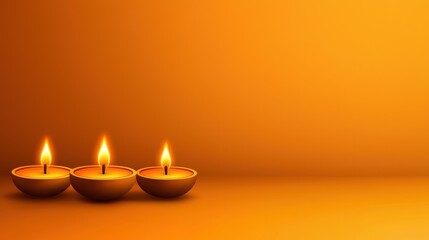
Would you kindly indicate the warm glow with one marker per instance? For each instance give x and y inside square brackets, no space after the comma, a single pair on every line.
[165,158]
[103,154]
[45,157]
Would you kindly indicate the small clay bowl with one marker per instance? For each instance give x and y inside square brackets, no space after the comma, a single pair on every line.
[117,181]
[32,181]
[162,187]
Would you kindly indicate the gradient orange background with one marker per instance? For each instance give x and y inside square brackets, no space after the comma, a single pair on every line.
[238,87]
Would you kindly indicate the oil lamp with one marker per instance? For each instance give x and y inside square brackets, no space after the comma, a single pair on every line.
[166,181]
[102,181]
[42,180]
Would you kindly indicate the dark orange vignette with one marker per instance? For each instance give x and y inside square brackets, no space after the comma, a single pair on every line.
[240,89]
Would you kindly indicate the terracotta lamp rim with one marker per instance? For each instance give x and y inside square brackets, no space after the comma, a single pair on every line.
[35,178]
[132,173]
[194,173]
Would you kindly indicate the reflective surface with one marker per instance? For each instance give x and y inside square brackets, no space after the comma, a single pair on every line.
[94,172]
[37,172]
[276,208]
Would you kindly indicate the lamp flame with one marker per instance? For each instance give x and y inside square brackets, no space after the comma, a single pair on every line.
[103,154]
[165,158]
[45,157]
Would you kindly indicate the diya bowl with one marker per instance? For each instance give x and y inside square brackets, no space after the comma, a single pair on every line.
[115,183]
[32,181]
[166,186]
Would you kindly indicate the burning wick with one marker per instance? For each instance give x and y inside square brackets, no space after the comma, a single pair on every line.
[103,156]
[165,159]
[45,158]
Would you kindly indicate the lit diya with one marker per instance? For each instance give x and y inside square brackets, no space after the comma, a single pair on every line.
[43,180]
[103,181]
[166,181]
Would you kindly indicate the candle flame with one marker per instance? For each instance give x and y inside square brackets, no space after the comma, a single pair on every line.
[165,158]
[45,157]
[103,154]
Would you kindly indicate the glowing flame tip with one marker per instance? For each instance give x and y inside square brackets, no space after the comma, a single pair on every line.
[45,157]
[103,154]
[165,158]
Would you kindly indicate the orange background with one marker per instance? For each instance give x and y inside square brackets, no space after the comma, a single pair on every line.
[238,87]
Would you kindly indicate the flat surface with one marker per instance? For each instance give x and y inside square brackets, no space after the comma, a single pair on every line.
[240,208]
[112,172]
[37,172]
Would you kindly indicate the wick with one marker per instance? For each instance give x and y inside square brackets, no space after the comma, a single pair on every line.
[45,168]
[103,168]
[165,170]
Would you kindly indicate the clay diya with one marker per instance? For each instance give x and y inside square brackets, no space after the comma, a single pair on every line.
[44,180]
[103,182]
[166,181]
